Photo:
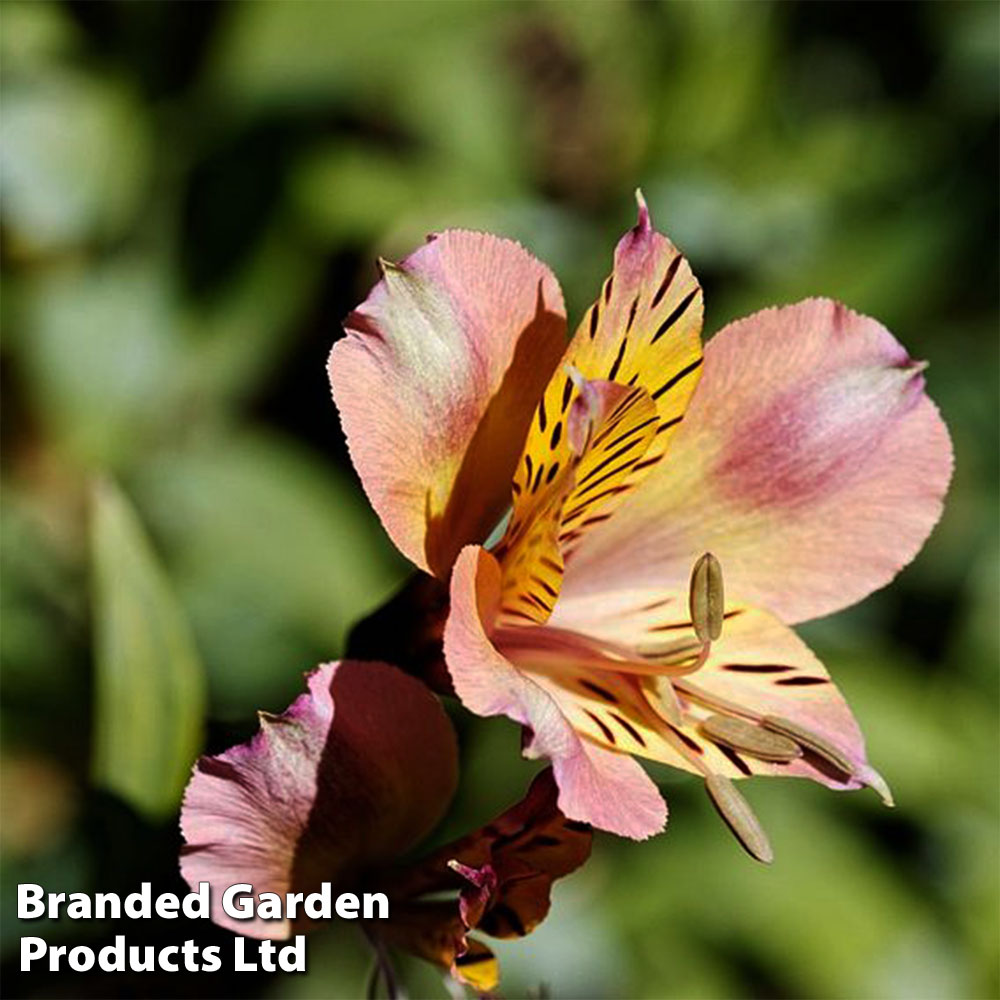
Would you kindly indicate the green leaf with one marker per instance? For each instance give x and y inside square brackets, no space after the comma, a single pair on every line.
[149,695]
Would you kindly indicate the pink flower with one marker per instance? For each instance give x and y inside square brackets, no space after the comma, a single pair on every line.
[800,451]
[354,774]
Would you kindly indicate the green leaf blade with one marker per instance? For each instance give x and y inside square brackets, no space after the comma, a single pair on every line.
[149,685]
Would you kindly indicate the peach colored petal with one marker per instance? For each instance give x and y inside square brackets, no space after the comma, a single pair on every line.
[596,786]
[355,772]
[436,382]
[810,462]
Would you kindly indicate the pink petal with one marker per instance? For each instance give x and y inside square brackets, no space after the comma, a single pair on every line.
[436,382]
[810,462]
[356,771]
[597,786]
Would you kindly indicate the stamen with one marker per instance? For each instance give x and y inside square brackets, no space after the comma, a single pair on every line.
[810,741]
[661,697]
[739,817]
[548,645]
[684,656]
[668,652]
[695,693]
[748,738]
[706,598]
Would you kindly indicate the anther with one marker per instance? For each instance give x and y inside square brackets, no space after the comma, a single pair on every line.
[810,741]
[739,817]
[748,738]
[706,598]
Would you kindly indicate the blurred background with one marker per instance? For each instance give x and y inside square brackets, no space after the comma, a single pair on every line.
[193,195]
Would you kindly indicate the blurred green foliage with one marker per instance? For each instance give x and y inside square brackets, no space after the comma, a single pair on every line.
[192,197]
[149,700]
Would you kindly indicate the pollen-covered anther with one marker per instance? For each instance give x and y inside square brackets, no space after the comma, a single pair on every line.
[706,598]
[811,741]
[738,734]
[739,817]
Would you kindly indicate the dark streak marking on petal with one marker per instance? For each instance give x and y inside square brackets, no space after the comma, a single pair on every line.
[629,728]
[517,613]
[596,519]
[535,601]
[538,478]
[631,314]
[686,740]
[667,279]
[627,434]
[662,602]
[667,424]
[673,626]
[598,690]
[567,392]
[675,315]
[608,460]
[580,508]
[683,373]
[550,590]
[801,681]
[607,475]
[618,360]
[757,668]
[735,759]
[608,735]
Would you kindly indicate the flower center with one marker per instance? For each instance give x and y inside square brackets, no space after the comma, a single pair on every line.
[650,691]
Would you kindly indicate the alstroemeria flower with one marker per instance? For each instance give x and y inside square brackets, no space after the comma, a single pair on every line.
[800,451]
[352,776]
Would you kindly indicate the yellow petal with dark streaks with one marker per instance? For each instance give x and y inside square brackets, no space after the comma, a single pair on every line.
[558,492]
[643,330]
